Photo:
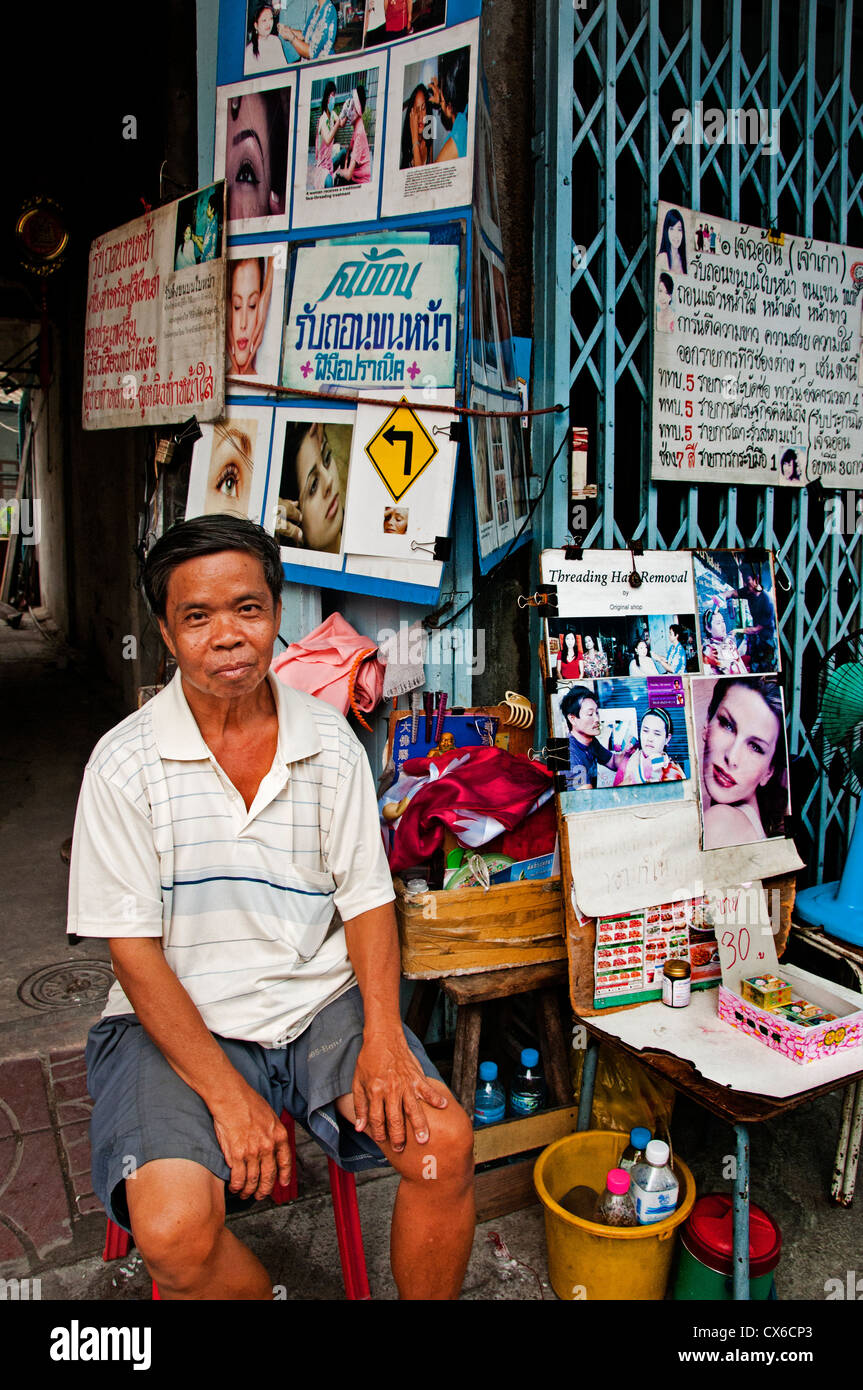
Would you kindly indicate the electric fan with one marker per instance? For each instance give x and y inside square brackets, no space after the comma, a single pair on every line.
[838,907]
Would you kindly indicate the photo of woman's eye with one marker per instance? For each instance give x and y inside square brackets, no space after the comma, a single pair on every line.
[229,479]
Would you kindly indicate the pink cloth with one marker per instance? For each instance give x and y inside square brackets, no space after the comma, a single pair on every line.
[359,148]
[321,663]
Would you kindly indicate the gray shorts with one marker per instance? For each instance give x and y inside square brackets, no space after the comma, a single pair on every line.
[142,1110]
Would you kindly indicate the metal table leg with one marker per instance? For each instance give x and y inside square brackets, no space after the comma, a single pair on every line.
[741,1216]
[848,1150]
[588,1081]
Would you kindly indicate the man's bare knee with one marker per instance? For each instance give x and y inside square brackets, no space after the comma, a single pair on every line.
[177,1214]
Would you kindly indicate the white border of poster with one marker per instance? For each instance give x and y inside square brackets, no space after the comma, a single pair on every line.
[410,192]
[273,221]
[352,203]
[203,453]
[268,356]
[373,517]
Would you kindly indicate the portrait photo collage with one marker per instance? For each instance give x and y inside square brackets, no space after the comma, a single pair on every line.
[670,690]
[328,114]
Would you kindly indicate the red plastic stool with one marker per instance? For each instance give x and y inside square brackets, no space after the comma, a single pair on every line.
[343,1188]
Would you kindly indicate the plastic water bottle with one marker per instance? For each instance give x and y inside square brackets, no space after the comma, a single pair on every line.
[615,1206]
[490,1102]
[527,1092]
[639,1138]
[654,1186]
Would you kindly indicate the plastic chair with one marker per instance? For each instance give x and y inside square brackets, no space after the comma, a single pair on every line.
[345,1210]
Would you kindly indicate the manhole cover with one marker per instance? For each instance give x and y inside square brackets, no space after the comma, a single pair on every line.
[59,986]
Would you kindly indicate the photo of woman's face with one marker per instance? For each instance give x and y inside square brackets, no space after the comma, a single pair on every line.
[653,736]
[264,22]
[320,487]
[395,521]
[718,630]
[662,296]
[641,649]
[247,158]
[245,294]
[229,480]
[739,746]
[675,234]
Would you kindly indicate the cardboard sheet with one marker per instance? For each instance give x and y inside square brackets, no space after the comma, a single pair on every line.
[661,861]
[723,1054]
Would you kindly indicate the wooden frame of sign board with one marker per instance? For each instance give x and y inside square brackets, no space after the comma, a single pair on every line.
[581,933]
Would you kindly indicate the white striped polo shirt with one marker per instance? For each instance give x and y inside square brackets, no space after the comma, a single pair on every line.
[249,903]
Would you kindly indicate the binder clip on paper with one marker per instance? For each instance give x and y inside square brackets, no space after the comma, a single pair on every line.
[544,601]
[439,549]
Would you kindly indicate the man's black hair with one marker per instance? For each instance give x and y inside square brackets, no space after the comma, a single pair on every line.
[574,699]
[361,93]
[208,535]
[454,72]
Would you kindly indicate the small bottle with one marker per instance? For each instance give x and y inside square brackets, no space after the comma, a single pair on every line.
[490,1101]
[654,1186]
[615,1206]
[676,983]
[639,1138]
[527,1092]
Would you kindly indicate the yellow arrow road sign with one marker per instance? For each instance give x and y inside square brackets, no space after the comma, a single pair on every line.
[401,449]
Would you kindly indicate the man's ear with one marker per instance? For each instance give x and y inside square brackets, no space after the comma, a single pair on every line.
[166,638]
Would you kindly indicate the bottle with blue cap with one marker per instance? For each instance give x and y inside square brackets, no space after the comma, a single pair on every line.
[490,1101]
[527,1092]
[639,1138]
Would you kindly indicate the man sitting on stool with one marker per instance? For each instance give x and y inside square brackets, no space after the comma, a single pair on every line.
[227,845]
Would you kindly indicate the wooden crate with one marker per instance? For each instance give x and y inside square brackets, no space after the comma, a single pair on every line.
[465,930]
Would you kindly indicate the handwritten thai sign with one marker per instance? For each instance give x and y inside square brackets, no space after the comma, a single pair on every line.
[756,355]
[372,315]
[154,349]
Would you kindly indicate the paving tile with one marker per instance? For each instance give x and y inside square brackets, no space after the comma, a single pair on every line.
[35,1198]
[75,1139]
[10,1246]
[71,1111]
[82,1184]
[71,1088]
[64,1054]
[89,1203]
[22,1087]
[76,1066]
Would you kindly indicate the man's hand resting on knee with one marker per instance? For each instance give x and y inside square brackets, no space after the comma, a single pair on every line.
[253,1140]
[250,1134]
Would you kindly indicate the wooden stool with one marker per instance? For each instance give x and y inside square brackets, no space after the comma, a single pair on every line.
[508,1188]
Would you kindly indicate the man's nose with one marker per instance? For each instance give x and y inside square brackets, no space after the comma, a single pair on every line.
[225,631]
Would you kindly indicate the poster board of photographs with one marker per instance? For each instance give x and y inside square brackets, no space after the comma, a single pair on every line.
[607,635]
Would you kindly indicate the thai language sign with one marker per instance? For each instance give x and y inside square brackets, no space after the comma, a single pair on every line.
[154,349]
[372,315]
[756,355]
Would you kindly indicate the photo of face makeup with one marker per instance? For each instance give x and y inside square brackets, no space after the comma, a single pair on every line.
[250,287]
[313,486]
[395,521]
[743,759]
[253,130]
[229,477]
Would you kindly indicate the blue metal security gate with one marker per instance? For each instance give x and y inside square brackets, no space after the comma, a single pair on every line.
[610,74]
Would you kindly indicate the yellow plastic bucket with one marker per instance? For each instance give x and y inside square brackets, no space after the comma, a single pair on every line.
[586,1260]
